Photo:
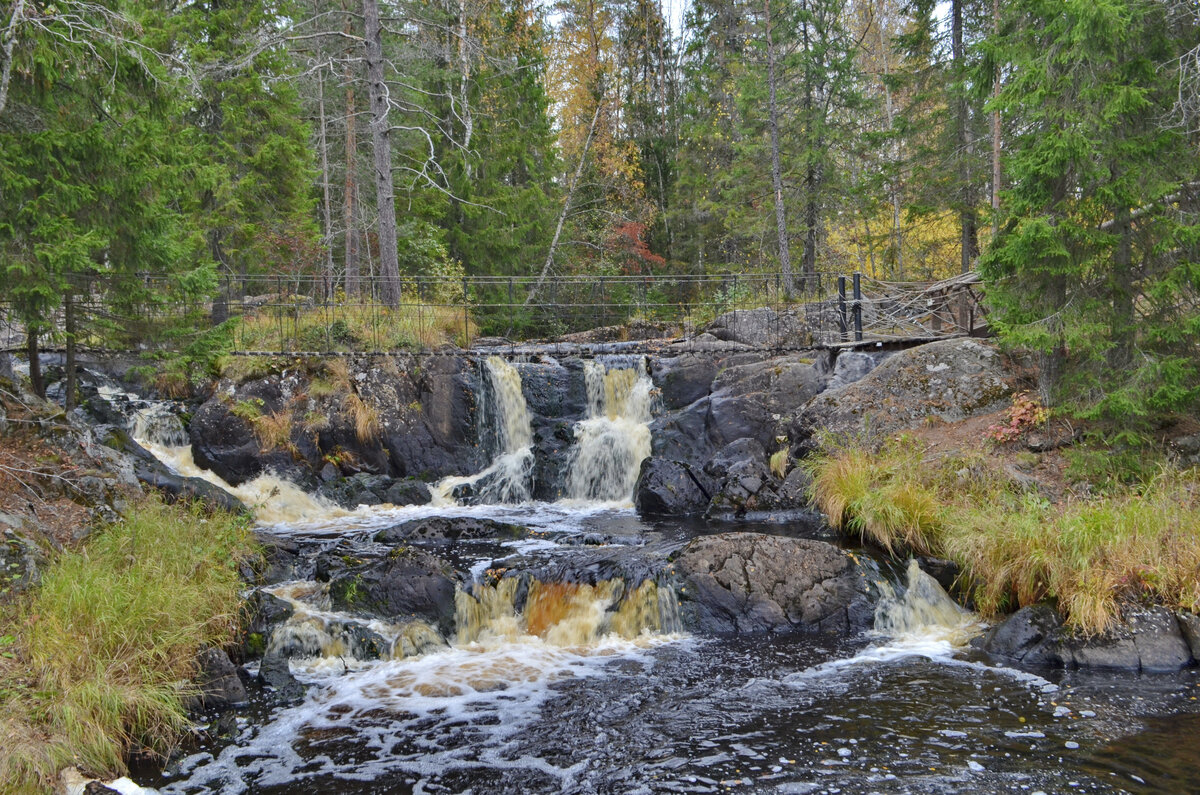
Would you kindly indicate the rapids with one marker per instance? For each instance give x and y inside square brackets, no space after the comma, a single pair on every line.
[551,685]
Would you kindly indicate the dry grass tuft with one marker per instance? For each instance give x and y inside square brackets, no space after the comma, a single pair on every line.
[779,463]
[1090,556]
[411,326]
[364,416]
[273,430]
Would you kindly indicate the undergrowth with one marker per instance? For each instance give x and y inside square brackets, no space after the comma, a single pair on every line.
[1138,541]
[98,658]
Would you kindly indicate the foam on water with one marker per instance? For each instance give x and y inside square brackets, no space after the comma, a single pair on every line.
[458,709]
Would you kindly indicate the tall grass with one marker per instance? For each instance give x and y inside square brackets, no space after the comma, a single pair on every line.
[102,652]
[1015,548]
[348,327]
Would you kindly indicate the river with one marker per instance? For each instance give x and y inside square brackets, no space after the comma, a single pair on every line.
[585,698]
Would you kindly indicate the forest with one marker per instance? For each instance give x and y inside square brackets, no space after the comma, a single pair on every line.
[1049,144]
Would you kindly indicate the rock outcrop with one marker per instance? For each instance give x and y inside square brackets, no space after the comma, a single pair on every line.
[950,380]
[407,583]
[750,583]
[1147,639]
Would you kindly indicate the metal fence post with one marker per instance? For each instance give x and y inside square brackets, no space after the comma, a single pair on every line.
[843,325]
[858,331]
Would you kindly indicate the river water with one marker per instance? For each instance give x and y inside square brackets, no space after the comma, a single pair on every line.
[585,698]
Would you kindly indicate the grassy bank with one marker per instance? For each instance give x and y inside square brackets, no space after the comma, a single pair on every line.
[96,661]
[1016,548]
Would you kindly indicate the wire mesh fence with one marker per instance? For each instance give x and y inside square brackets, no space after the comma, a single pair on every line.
[311,314]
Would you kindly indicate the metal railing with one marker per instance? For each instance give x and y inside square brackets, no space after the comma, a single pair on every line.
[310,314]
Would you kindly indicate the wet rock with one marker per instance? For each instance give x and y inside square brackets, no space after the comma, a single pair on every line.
[176,487]
[1029,636]
[1147,639]
[218,680]
[281,560]
[951,380]
[359,489]
[748,583]
[1160,644]
[407,583]
[683,380]
[275,672]
[449,528]
[408,491]
[671,488]
[264,612]
[1189,628]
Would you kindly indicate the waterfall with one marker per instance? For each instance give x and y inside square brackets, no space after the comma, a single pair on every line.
[323,638]
[504,417]
[923,612]
[614,439]
[273,499]
[564,614]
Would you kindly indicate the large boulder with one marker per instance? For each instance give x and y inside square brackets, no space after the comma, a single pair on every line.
[217,680]
[1147,639]
[407,583]
[671,488]
[950,380]
[740,418]
[750,583]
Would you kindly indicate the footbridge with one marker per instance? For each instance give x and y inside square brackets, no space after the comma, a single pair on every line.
[515,317]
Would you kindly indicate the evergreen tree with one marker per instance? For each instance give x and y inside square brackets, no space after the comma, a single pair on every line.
[1095,264]
[93,175]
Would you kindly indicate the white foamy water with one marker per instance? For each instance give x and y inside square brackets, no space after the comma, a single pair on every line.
[612,442]
[503,409]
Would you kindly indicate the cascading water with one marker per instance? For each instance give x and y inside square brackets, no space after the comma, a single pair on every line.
[273,499]
[564,613]
[614,439]
[505,415]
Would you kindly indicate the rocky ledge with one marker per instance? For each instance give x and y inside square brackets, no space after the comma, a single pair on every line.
[1147,639]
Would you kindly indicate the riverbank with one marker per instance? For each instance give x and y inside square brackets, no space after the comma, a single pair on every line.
[98,660]
[107,596]
[1019,518]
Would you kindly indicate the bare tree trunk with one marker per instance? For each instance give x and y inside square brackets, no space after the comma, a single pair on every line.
[464,85]
[967,218]
[812,215]
[781,229]
[327,215]
[566,209]
[381,144]
[69,312]
[349,214]
[996,131]
[897,233]
[7,43]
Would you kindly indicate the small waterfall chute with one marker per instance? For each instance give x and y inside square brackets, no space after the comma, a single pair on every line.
[916,618]
[505,422]
[273,499]
[564,614]
[612,442]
